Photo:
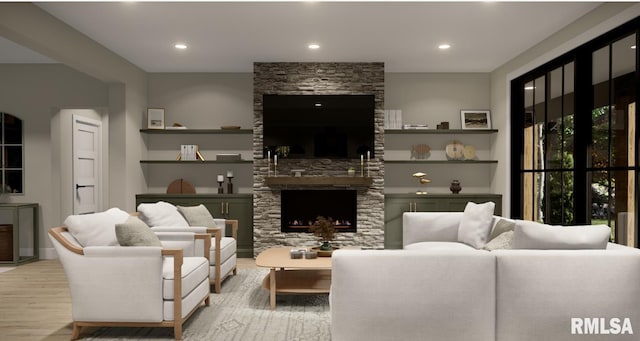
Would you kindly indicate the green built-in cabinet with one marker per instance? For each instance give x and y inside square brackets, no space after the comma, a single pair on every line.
[227,206]
[396,204]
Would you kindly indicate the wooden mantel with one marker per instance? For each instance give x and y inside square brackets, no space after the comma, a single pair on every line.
[337,181]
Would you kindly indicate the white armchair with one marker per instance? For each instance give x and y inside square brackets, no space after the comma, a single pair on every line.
[165,217]
[134,285]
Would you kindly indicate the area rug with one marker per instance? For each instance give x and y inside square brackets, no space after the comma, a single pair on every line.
[241,313]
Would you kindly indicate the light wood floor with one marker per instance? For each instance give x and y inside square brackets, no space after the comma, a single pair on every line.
[35,302]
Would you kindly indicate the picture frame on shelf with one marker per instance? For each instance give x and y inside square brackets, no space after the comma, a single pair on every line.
[155,118]
[475,119]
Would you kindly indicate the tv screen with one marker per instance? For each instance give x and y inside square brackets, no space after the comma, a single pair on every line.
[319,126]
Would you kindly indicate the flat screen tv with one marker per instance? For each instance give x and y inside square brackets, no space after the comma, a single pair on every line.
[318,126]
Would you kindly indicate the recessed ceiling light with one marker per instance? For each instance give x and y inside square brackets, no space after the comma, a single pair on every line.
[180,46]
[633,47]
[444,46]
[314,46]
[318,105]
[529,87]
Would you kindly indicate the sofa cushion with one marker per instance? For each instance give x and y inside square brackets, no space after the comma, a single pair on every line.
[476,224]
[197,215]
[439,246]
[194,271]
[502,241]
[96,229]
[502,226]
[533,235]
[161,213]
[134,232]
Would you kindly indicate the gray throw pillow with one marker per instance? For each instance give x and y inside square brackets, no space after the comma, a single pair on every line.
[501,227]
[197,215]
[134,232]
[502,241]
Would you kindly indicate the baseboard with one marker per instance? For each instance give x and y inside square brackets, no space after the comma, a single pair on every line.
[48,253]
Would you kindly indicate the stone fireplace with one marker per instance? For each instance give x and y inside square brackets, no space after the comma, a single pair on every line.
[318,79]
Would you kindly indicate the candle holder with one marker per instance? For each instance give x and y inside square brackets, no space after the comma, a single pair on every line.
[229,185]
[220,182]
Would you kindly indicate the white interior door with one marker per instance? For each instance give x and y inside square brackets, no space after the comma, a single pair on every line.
[87,174]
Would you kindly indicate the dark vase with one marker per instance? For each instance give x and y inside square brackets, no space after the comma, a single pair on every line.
[455,187]
[325,246]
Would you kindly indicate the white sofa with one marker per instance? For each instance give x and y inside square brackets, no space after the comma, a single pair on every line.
[437,288]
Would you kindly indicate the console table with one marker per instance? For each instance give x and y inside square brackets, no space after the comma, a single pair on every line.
[18,233]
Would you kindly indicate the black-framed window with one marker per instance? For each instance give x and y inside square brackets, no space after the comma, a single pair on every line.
[574,142]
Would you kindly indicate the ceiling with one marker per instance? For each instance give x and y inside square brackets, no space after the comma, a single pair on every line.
[230,36]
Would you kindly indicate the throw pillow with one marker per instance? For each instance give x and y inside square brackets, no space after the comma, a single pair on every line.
[134,232]
[476,223]
[197,215]
[96,229]
[533,235]
[501,227]
[502,241]
[161,214]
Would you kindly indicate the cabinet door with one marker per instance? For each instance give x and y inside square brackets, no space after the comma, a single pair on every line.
[426,204]
[241,209]
[393,210]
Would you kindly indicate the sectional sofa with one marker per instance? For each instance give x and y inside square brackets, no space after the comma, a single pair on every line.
[543,283]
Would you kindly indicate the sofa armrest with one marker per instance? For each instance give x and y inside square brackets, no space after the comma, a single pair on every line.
[430,227]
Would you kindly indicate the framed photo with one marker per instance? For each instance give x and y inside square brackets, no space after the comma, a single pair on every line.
[155,118]
[475,119]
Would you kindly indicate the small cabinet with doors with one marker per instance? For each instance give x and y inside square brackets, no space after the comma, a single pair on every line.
[396,204]
[226,206]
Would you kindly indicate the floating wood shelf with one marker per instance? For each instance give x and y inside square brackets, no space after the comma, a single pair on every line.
[338,181]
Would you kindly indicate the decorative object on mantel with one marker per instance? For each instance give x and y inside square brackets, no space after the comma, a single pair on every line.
[230,127]
[220,182]
[297,172]
[454,150]
[420,151]
[180,186]
[443,125]
[229,184]
[325,229]
[422,180]
[351,171]
[455,187]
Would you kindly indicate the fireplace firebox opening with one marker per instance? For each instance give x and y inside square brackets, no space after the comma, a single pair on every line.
[300,208]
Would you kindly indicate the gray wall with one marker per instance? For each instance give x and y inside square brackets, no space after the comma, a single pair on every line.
[33,92]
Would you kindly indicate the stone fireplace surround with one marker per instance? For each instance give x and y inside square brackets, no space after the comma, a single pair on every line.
[317,79]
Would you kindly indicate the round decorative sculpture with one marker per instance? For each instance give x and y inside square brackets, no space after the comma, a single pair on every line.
[454,150]
[469,152]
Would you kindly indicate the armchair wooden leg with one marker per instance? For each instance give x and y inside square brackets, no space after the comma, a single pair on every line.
[177,330]
[75,334]
[235,271]
[218,285]
[207,301]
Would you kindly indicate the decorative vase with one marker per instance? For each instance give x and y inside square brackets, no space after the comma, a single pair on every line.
[325,246]
[455,187]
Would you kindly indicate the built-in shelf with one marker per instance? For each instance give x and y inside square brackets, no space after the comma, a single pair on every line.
[194,162]
[338,181]
[440,131]
[196,131]
[441,161]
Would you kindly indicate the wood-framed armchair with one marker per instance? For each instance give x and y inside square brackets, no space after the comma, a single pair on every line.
[135,285]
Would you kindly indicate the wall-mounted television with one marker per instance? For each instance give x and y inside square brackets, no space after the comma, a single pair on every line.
[318,126]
